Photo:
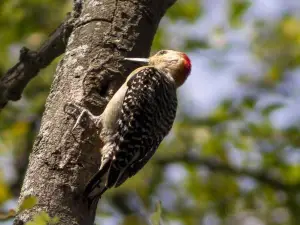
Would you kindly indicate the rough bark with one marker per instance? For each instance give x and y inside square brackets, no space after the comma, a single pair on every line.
[91,71]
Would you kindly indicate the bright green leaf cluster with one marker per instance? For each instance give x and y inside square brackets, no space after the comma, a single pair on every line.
[43,219]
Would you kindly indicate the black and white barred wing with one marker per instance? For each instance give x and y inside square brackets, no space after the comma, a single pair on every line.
[148,113]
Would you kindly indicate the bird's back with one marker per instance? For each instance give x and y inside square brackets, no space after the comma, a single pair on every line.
[146,117]
[148,113]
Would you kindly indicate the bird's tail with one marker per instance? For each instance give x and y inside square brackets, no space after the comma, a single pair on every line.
[97,185]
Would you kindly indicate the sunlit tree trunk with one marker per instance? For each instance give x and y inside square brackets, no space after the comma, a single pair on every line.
[62,162]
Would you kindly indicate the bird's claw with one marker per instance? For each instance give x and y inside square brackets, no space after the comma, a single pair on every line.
[82,116]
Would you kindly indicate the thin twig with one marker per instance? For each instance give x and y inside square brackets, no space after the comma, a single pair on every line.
[216,165]
[13,82]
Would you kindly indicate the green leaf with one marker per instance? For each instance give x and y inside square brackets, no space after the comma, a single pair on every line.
[191,44]
[134,220]
[43,219]
[156,216]
[238,8]
[188,10]
[54,220]
[272,107]
[4,188]
[28,203]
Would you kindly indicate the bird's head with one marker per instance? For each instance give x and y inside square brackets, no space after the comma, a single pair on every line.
[176,64]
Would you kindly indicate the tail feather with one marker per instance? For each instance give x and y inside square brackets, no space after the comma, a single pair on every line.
[96,186]
[114,174]
[116,177]
[122,178]
[93,201]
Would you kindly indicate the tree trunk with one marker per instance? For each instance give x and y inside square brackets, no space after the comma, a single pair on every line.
[62,162]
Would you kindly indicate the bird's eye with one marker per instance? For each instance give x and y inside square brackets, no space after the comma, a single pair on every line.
[162,52]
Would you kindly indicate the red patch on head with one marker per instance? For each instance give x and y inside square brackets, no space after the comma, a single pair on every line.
[187,64]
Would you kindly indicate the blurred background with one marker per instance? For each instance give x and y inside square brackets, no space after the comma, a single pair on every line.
[233,156]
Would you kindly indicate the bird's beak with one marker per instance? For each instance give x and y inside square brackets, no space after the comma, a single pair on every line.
[141,60]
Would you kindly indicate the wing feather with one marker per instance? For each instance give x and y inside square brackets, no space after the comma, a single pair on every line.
[148,113]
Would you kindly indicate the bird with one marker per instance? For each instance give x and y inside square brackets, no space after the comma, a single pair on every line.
[137,118]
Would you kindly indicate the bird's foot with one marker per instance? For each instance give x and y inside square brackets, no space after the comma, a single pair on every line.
[84,118]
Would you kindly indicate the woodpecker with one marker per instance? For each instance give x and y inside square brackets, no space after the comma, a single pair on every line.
[137,118]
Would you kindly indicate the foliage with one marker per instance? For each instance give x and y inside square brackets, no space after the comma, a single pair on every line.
[27,203]
[43,219]
[233,154]
[156,216]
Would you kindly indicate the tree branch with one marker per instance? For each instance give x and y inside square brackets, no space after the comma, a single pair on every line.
[13,82]
[216,165]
